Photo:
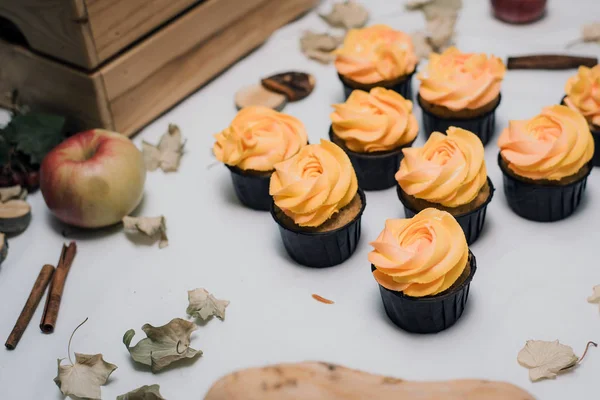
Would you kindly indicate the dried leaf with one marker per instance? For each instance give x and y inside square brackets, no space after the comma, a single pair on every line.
[146,392]
[595,297]
[591,32]
[320,46]
[436,8]
[84,378]
[204,305]
[12,193]
[440,16]
[347,15]
[149,226]
[441,32]
[163,345]
[167,154]
[546,359]
[422,46]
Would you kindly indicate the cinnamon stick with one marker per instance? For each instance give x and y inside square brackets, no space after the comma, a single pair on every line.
[39,287]
[57,286]
[550,62]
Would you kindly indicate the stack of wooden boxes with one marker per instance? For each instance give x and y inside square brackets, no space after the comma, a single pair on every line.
[119,64]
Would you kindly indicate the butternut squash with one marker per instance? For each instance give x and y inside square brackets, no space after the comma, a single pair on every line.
[321,381]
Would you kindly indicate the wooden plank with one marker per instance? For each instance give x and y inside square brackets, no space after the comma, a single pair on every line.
[170,65]
[115,24]
[47,85]
[53,27]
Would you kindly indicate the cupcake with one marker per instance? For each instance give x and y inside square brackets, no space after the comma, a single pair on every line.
[424,269]
[461,89]
[376,56]
[373,128]
[317,205]
[447,173]
[257,139]
[583,95]
[545,162]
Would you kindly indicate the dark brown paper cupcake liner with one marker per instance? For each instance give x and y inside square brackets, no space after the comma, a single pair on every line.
[471,222]
[404,87]
[322,249]
[542,202]
[251,188]
[482,126]
[375,171]
[596,136]
[430,314]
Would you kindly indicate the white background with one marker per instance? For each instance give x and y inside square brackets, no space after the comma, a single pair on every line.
[532,281]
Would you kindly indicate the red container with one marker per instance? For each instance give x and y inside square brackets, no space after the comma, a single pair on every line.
[519,11]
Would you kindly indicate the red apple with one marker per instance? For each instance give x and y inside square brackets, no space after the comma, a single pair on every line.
[93,179]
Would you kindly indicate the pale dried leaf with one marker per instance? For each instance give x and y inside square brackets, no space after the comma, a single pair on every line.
[167,154]
[441,32]
[84,378]
[591,32]
[320,46]
[203,304]
[436,8]
[422,46]
[163,345]
[595,297]
[347,15]
[146,392]
[545,359]
[153,227]
[12,193]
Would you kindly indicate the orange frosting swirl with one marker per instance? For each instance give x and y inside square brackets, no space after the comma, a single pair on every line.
[583,93]
[552,145]
[376,121]
[314,184]
[461,81]
[448,170]
[420,256]
[258,138]
[375,54]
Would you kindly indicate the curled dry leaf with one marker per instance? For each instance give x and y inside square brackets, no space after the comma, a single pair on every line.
[440,16]
[83,378]
[154,227]
[441,32]
[590,33]
[204,305]
[435,8]
[546,359]
[422,46]
[293,85]
[12,193]
[320,46]
[163,345]
[167,154]
[347,15]
[146,392]
[595,297]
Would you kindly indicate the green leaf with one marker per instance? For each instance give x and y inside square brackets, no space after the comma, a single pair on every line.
[35,134]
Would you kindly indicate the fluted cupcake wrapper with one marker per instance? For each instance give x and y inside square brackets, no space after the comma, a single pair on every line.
[542,202]
[429,314]
[471,222]
[322,249]
[482,126]
[375,171]
[251,189]
[403,87]
[596,136]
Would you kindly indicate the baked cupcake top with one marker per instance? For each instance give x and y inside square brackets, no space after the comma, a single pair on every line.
[258,138]
[420,256]
[448,170]
[380,120]
[583,93]
[314,184]
[552,145]
[461,81]
[375,54]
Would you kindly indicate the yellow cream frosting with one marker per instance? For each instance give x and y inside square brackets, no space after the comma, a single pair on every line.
[376,121]
[258,138]
[583,93]
[420,256]
[448,170]
[314,184]
[375,54]
[552,145]
[461,81]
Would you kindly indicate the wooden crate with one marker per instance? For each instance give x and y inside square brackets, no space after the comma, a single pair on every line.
[137,86]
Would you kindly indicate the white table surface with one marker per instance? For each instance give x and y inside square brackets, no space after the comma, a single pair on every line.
[532,281]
